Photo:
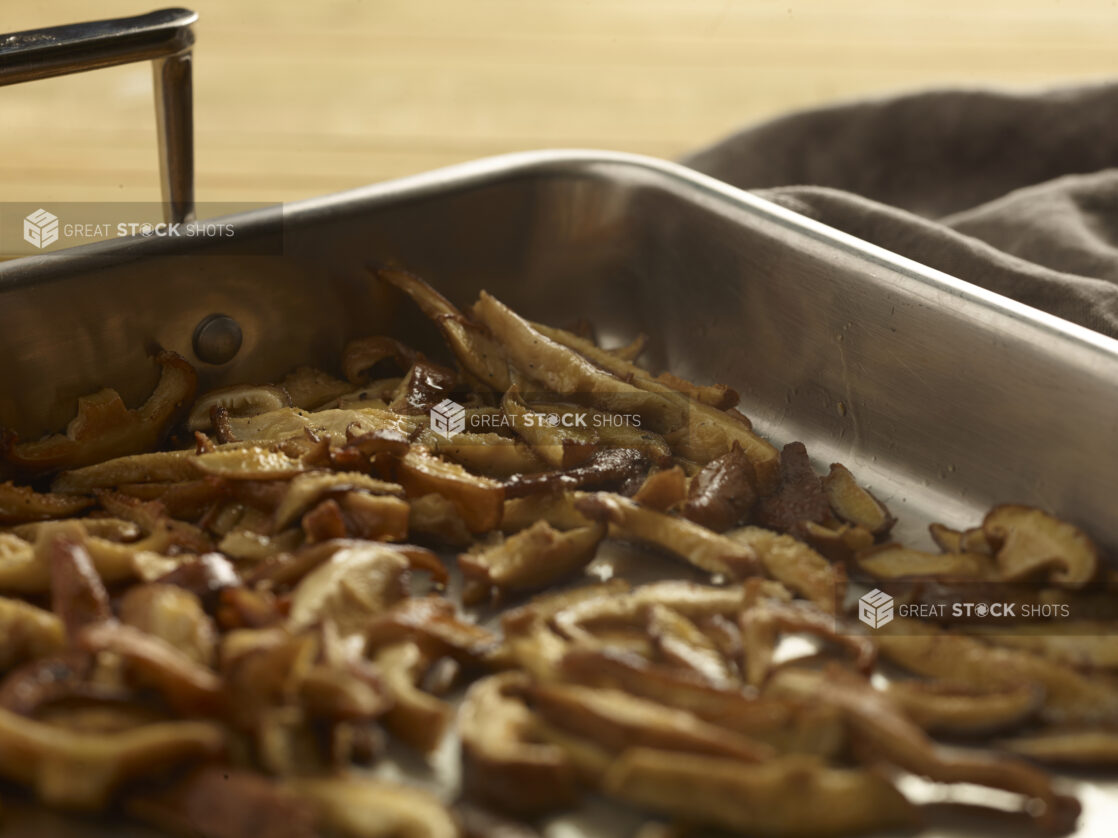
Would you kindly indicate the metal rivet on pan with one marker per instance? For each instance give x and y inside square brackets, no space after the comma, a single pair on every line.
[217,339]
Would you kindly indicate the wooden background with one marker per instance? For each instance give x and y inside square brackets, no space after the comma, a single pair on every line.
[295,98]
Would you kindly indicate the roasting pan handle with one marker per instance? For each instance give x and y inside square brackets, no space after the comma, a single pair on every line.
[163,37]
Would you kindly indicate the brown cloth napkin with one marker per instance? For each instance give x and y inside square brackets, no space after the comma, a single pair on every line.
[1017,193]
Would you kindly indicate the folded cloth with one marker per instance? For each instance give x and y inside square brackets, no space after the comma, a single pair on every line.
[1017,193]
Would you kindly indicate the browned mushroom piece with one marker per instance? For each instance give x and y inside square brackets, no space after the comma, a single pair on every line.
[895,561]
[616,720]
[854,504]
[183,499]
[795,565]
[311,388]
[76,770]
[220,801]
[358,582]
[1070,696]
[431,622]
[678,641]
[305,490]
[799,497]
[362,354]
[504,764]
[478,500]
[19,504]
[153,467]
[28,633]
[425,385]
[1087,645]
[1030,540]
[557,508]
[174,615]
[553,442]
[78,595]
[723,493]
[532,558]
[1072,747]
[605,468]
[948,708]
[415,717]
[352,806]
[476,350]
[695,544]
[186,685]
[238,400]
[881,729]
[489,454]
[786,796]
[836,541]
[104,428]
[664,490]
[249,462]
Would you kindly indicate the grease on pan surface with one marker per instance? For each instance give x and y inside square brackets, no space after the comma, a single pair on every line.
[232,614]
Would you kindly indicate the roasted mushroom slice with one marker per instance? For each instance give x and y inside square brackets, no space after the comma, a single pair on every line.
[363,354]
[239,400]
[28,633]
[1083,747]
[504,764]
[478,500]
[799,498]
[894,561]
[105,428]
[663,490]
[357,582]
[1069,696]
[604,468]
[484,453]
[174,615]
[948,708]
[311,388]
[532,558]
[569,374]
[76,770]
[416,717]
[78,596]
[695,544]
[425,385]
[786,796]
[19,504]
[881,729]
[617,720]
[431,622]
[724,492]
[249,463]
[681,643]
[854,504]
[363,807]
[305,490]
[155,467]
[557,508]
[219,801]
[1029,539]
[794,564]
[557,445]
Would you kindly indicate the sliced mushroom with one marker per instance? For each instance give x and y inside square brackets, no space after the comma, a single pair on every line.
[434,516]
[174,615]
[478,500]
[838,542]
[948,708]
[894,561]
[724,492]
[503,765]
[78,596]
[476,350]
[311,388]
[416,717]
[1030,539]
[155,467]
[363,354]
[1085,644]
[794,564]
[617,720]
[557,445]
[785,796]
[354,585]
[680,642]
[74,770]
[489,454]
[604,468]
[686,539]
[568,373]
[799,498]
[219,801]
[363,807]
[425,385]
[431,622]
[305,490]
[1069,696]
[249,463]
[28,633]
[534,557]
[238,400]
[19,504]
[558,509]
[882,729]
[663,490]
[1067,747]
[105,428]
[854,504]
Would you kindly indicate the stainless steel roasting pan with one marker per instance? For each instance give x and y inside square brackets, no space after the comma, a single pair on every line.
[943,397]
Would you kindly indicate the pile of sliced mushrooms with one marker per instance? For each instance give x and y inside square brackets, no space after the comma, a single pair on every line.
[219,612]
